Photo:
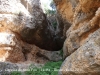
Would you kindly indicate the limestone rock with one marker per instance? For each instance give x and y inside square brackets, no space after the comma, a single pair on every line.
[28,21]
[85,60]
[65,9]
[84,17]
[81,47]
[8,67]
[10,49]
[23,27]
[64,16]
[13,49]
[36,54]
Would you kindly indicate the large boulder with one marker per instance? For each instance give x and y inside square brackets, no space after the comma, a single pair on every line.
[26,18]
[85,60]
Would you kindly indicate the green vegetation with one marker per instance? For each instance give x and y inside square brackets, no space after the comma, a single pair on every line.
[61,52]
[50,12]
[50,68]
[15,73]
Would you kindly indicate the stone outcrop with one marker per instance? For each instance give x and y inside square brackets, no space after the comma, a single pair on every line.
[64,16]
[26,18]
[8,67]
[10,49]
[13,49]
[83,25]
[34,53]
[85,60]
[25,34]
[84,20]
[80,48]
[65,9]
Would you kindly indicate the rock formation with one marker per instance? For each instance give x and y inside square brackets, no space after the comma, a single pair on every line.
[10,48]
[13,49]
[81,48]
[64,16]
[23,29]
[26,18]
[85,60]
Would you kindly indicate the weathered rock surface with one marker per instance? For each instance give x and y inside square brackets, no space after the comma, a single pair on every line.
[34,53]
[63,17]
[65,9]
[85,60]
[10,48]
[23,27]
[80,48]
[58,25]
[84,17]
[13,49]
[8,67]
[29,21]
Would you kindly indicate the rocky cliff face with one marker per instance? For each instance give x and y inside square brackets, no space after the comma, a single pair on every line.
[26,18]
[64,16]
[13,49]
[84,19]
[23,27]
[80,48]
